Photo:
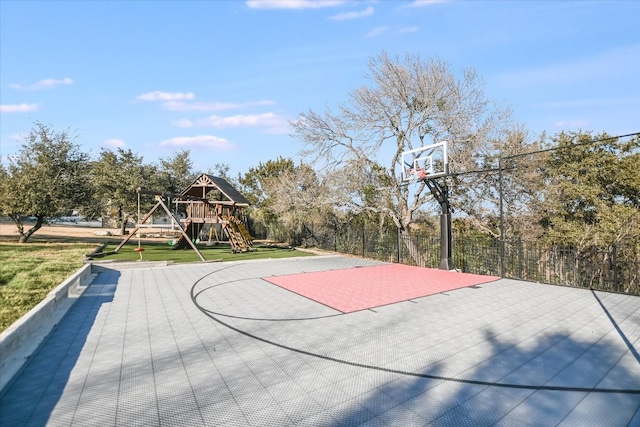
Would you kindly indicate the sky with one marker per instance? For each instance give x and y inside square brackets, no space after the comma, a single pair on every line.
[224,78]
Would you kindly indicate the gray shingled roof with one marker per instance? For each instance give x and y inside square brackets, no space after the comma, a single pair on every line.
[221,184]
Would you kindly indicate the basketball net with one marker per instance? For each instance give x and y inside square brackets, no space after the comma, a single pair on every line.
[417,174]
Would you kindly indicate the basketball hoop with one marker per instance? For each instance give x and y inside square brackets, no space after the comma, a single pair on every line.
[425,163]
[416,174]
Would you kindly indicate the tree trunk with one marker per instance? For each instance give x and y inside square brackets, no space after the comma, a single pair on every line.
[24,236]
[123,224]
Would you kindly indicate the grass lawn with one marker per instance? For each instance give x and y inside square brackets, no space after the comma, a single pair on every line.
[222,252]
[28,272]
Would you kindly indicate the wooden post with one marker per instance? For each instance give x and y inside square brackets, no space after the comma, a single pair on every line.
[160,203]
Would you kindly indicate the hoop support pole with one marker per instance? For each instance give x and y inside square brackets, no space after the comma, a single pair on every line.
[440,193]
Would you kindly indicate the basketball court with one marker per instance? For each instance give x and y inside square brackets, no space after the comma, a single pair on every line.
[269,342]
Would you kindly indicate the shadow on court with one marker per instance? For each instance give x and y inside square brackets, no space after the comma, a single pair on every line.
[147,355]
[36,390]
[552,393]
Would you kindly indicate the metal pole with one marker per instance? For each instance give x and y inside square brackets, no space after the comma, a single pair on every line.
[501,218]
[440,193]
[615,267]
[446,262]
[363,241]
[399,240]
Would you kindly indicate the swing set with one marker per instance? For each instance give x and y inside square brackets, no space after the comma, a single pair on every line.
[160,203]
[220,209]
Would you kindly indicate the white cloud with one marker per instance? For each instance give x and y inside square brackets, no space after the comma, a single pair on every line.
[42,84]
[423,3]
[114,143]
[165,96]
[211,106]
[200,141]
[265,119]
[183,123]
[405,30]
[18,108]
[292,4]
[352,15]
[198,106]
[377,31]
[272,123]
[181,101]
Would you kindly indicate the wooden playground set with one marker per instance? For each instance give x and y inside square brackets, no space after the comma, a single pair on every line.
[211,204]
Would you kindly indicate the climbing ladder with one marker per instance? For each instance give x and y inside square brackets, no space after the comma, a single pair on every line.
[239,237]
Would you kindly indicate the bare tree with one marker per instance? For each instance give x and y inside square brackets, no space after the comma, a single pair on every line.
[409,103]
[297,197]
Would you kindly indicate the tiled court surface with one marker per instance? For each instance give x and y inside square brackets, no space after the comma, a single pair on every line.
[214,344]
[353,289]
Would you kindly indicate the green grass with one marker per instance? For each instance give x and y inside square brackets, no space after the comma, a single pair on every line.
[222,252]
[28,272]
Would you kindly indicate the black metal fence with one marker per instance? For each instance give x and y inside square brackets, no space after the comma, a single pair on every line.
[615,268]
[604,255]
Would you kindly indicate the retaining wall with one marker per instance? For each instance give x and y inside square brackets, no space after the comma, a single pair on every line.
[21,340]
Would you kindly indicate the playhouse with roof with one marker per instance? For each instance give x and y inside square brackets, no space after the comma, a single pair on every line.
[212,205]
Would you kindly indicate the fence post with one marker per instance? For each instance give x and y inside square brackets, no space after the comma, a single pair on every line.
[520,256]
[501,218]
[399,242]
[614,256]
[363,241]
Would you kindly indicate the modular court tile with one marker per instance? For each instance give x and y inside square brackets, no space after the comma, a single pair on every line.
[218,344]
[349,289]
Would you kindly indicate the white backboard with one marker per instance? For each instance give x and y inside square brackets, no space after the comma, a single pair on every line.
[430,161]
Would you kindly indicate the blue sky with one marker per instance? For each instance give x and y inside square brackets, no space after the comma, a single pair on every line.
[222,78]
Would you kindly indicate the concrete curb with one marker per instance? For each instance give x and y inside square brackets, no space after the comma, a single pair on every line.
[20,340]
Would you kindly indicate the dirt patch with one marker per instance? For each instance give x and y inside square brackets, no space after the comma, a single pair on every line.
[69,233]
[78,233]
[8,230]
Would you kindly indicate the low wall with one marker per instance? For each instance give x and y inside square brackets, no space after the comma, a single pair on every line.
[21,339]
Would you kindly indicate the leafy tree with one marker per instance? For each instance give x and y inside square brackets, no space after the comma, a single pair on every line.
[254,186]
[175,173]
[252,183]
[409,103]
[49,177]
[115,178]
[592,203]
[221,170]
[591,184]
